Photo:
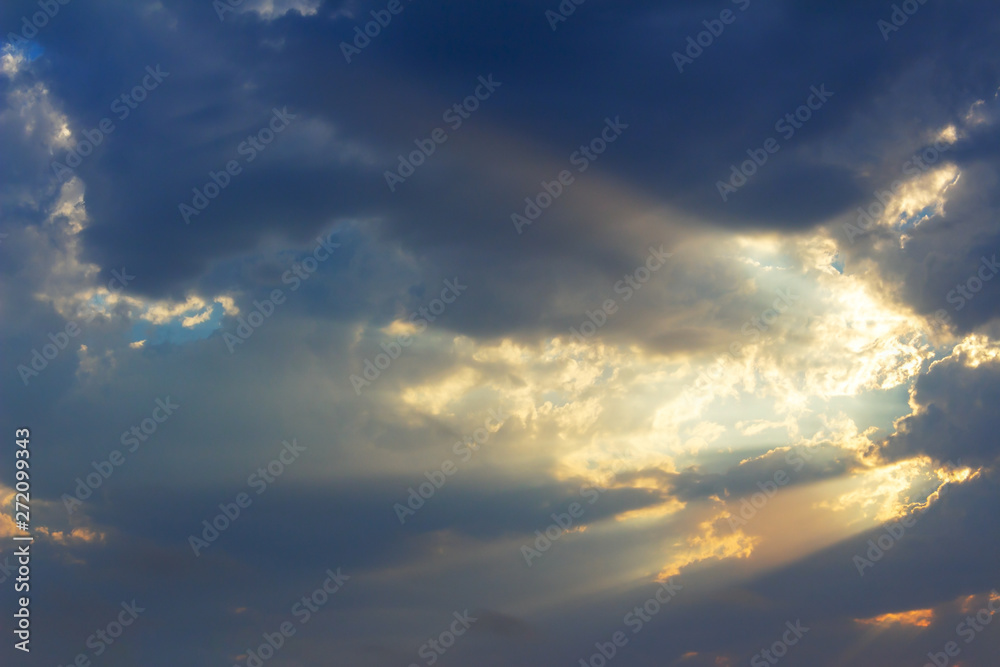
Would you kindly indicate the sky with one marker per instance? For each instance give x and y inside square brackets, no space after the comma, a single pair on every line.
[409,333]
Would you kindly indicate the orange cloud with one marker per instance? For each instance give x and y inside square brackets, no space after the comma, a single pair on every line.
[919,618]
[710,544]
[75,535]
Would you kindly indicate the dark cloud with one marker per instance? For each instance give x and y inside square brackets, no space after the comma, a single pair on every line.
[951,422]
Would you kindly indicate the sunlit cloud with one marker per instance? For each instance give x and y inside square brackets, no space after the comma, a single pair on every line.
[714,542]
[917,618]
